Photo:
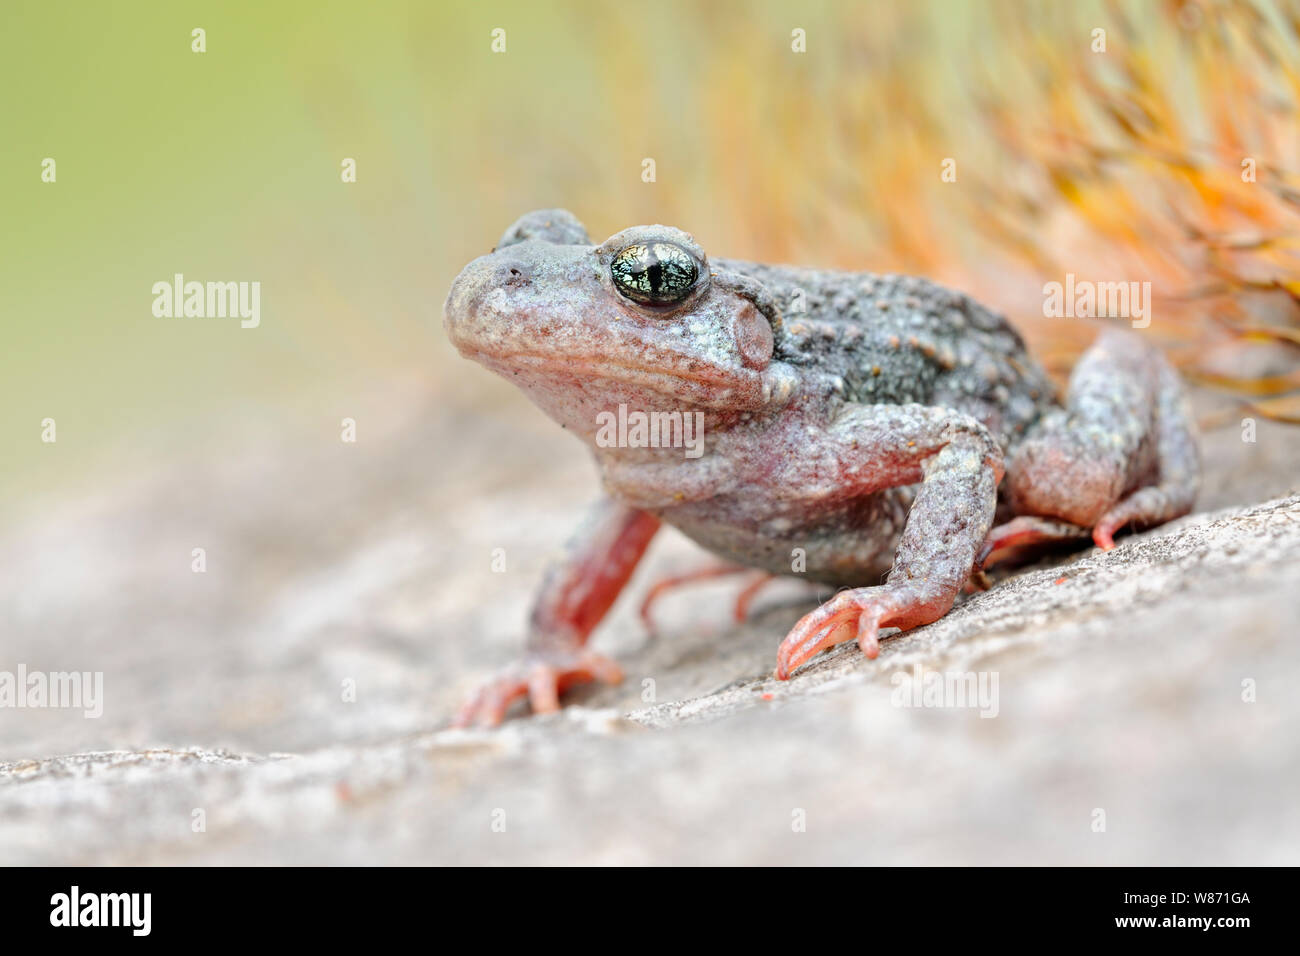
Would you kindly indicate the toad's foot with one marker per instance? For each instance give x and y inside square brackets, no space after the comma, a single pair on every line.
[542,678]
[1023,532]
[743,599]
[859,613]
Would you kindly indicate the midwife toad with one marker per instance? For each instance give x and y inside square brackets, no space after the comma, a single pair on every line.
[876,432]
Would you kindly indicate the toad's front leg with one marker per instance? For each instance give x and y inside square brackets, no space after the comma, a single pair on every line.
[575,595]
[958,465]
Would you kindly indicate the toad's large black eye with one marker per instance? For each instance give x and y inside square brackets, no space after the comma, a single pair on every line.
[654,273]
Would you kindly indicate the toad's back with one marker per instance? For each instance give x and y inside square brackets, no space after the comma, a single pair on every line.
[891,339]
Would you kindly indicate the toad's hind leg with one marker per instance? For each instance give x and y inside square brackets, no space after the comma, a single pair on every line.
[1122,452]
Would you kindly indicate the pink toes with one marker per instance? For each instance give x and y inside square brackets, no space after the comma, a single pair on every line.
[541,681]
[847,615]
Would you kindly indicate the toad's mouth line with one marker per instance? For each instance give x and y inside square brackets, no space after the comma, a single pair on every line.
[604,368]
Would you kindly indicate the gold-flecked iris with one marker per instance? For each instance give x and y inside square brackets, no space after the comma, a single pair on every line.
[654,273]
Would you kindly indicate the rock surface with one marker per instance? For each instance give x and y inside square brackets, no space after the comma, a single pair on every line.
[1150,688]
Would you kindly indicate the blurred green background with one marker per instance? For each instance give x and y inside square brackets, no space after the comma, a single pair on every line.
[225,165]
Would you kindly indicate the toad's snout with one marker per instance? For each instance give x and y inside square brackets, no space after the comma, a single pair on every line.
[487,290]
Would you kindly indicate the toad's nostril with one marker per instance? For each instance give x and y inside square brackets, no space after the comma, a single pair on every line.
[514,272]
